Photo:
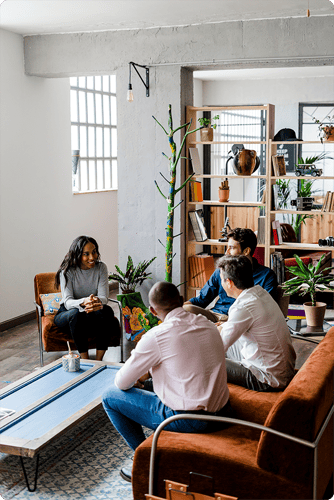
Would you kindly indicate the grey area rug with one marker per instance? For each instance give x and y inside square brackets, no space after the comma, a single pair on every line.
[84,463]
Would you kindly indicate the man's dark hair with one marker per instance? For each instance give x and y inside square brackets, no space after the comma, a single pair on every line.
[237,269]
[165,295]
[245,237]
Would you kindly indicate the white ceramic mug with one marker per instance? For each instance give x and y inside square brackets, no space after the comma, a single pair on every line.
[71,362]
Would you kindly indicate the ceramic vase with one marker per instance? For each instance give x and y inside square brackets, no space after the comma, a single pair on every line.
[223,194]
[206,134]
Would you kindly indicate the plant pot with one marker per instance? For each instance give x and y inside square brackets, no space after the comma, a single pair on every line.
[315,314]
[223,194]
[137,318]
[206,134]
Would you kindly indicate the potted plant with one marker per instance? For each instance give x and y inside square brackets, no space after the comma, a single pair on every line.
[325,128]
[310,279]
[224,191]
[136,316]
[207,130]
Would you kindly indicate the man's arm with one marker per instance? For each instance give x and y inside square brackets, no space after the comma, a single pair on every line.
[270,284]
[238,323]
[142,359]
[209,291]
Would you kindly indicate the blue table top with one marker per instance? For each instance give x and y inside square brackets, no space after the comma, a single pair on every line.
[51,413]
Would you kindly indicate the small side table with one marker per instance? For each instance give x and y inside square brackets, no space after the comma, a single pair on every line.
[299,327]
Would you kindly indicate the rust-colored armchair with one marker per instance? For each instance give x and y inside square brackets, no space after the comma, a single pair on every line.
[52,338]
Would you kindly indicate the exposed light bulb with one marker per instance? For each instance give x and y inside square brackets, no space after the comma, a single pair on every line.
[130,93]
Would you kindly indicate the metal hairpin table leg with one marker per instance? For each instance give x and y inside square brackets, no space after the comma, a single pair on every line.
[26,477]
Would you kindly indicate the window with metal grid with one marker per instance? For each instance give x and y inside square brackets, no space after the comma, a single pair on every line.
[94,133]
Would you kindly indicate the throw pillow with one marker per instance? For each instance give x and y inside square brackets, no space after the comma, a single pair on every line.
[50,302]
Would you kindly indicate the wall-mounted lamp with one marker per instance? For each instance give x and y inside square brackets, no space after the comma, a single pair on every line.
[147,84]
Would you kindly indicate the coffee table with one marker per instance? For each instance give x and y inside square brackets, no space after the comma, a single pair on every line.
[47,403]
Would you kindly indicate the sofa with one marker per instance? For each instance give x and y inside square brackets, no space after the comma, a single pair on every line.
[246,462]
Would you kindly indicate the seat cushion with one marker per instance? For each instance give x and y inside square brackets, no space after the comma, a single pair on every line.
[251,405]
[229,456]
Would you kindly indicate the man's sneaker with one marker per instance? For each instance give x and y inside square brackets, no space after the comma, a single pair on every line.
[126,474]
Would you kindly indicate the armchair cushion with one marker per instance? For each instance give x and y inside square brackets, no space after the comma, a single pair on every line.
[50,302]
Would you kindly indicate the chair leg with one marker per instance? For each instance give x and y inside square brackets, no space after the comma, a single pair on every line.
[121,325]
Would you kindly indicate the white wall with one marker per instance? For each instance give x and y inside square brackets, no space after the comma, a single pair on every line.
[39,216]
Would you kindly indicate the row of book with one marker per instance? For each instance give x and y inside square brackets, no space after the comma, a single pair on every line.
[277,232]
[201,267]
[328,205]
[278,266]
[196,191]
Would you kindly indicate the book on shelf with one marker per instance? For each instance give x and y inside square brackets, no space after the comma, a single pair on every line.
[275,198]
[261,230]
[328,205]
[196,191]
[197,222]
[195,162]
[279,167]
[277,232]
[278,266]
[201,267]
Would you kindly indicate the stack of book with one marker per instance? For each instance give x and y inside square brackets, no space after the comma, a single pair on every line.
[277,232]
[196,191]
[328,205]
[201,267]
[197,222]
[278,266]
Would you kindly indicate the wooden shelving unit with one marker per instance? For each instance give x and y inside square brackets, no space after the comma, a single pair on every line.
[192,246]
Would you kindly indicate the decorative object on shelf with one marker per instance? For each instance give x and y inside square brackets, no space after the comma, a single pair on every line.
[207,127]
[197,222]
[136,316]
[224,191]
[146,84]
[195,162]
[288,234]
[304,191]
[279,167]
[325,128]
[326,242]
[170,199]
[302,203]
[245,161]
[286,134]
[310,279]
[225,230]
[307,169]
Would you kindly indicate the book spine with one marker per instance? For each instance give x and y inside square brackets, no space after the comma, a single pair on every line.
[275,233]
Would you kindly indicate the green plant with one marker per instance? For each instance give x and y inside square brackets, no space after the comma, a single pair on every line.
[206,122]
[308,279]
[133,276]
[304,191]
[283,192]
[309,160]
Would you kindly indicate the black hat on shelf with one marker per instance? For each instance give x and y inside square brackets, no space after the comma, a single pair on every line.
[286,134]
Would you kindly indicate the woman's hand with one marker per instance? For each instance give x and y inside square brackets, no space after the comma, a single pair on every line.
[92,304]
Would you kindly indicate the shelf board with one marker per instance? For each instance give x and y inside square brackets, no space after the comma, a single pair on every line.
[300,142]
[299,246]
[301,212]
[214,243]
[308,177]
[226,142]
[234,176]
[228,203]
[223,108]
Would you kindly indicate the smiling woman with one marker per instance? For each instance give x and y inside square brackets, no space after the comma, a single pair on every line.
[83,280]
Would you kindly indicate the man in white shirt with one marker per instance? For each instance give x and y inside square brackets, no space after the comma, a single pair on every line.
[256,338]
[185,357]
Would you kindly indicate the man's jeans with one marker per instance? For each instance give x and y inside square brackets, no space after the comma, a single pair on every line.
[129,410]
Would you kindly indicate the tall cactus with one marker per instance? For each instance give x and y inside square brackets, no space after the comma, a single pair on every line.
[173,161]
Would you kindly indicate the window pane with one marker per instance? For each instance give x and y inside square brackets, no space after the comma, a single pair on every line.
[105,83]
[90,82]
[113,142]
[113,84]
[92,179]
[91,141]
[83,141]
[114,174]
[107,174]
[73,81]
[83,175]
[113,110]
[90,107]
[99,174]
[98,83]
[74,137]
[106,142]
[98,104]
[99,148]
[82,82]
[82,106]
[106,110]
[74,106]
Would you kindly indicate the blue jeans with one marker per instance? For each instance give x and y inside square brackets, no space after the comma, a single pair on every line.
[129,410]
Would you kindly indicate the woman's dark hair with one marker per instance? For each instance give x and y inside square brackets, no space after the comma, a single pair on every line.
[73,256]
[237,269]
[245,237]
